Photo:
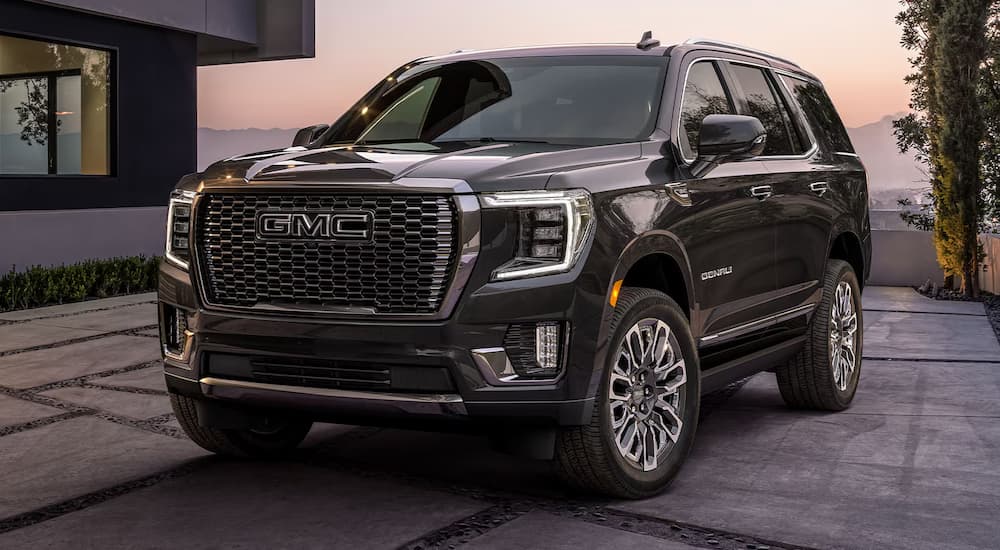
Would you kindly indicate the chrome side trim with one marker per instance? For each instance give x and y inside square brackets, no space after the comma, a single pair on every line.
[496,368]
[680,106]
[208,385]
[757,324]
[180,360]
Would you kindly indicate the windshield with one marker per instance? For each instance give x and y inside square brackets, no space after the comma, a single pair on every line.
[562,100]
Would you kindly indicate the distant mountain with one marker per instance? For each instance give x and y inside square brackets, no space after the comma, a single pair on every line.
[216,145]
[887,168]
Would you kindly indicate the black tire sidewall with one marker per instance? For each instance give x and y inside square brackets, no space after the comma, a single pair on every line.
[844,274]
[652,304]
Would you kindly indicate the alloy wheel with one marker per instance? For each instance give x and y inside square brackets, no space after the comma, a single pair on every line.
[645,398]
[843,335]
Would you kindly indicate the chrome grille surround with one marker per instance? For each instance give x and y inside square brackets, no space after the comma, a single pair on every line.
[419,258]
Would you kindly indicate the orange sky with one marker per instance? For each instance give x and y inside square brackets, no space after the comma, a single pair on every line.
[852,45]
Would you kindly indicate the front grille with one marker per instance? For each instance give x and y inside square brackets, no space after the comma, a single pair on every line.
[404,269]
[320,374]
[328,373]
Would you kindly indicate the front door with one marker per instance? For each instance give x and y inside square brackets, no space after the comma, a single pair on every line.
[728,231]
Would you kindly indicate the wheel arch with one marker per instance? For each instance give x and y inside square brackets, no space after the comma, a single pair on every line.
[653,251]
[846,245]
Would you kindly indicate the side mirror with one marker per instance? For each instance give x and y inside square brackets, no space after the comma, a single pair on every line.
[728,138]
[308,135]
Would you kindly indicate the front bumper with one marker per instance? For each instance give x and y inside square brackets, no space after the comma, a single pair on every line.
[424,349]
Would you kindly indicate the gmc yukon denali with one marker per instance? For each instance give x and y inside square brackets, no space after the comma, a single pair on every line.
[561,247]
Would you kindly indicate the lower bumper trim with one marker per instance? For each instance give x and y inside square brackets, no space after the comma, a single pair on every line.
[277,394]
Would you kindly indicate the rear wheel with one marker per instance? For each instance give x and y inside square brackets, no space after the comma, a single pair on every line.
[646,411]
[825,374]
[270,438]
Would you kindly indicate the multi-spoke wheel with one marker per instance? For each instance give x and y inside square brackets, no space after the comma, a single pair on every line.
[825,374]
[843,334]
[646,412]
[644,395]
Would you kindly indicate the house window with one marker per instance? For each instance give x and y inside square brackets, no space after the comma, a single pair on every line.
[55,108]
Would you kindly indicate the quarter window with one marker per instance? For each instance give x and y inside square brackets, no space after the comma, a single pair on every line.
[704,95]
[765,103]
[822,115]
[54,108]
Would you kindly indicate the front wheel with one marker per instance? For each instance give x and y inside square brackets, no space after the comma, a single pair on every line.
[825,373]
[274,437]
[646,411]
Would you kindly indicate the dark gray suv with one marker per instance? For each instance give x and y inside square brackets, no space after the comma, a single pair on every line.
[562,247]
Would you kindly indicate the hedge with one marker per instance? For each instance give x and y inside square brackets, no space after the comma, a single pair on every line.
[42,286]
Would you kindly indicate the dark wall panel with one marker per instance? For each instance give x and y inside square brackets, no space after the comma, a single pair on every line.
[154,113]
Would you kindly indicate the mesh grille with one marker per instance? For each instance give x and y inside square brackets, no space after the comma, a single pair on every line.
[404,269]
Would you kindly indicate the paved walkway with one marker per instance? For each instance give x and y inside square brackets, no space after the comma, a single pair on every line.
[91,457]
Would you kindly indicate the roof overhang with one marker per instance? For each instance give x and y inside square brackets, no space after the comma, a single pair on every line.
[228,31]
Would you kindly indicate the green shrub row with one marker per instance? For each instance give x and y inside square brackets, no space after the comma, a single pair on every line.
[42,286]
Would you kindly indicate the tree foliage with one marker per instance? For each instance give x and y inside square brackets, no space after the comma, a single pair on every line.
[953,128]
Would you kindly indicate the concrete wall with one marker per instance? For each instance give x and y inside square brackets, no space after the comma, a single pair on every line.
[989,275]
[76,235]
[904,258]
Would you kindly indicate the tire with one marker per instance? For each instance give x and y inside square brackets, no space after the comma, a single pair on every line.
[812,379]
[589,457]
[270,443]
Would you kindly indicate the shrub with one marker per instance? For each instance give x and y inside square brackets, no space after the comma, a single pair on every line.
[41,286]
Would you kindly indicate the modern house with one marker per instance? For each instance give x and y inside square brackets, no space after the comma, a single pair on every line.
[98,113]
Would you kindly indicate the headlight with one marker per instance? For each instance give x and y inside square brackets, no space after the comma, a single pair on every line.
[178,250]
[554,226]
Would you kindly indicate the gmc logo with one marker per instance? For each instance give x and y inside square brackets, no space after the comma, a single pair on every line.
[316,226]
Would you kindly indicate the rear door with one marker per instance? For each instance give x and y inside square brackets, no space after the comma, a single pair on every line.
[805,177]
[727,231]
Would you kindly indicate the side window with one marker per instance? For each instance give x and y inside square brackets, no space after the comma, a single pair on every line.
[819,110]
[704,95]
[766,104]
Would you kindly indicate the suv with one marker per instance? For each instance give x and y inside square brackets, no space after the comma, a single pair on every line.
[563,247]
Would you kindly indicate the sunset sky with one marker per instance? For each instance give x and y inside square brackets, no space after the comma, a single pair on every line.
[852,45]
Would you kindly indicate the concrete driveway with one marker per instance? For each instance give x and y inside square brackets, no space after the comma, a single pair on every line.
[91,457]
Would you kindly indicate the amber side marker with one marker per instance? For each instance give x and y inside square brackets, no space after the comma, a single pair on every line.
[615,290]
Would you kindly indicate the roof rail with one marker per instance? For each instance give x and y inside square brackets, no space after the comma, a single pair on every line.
[737,47]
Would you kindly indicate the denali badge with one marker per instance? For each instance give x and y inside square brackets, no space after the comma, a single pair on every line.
[315,226]
[721,272]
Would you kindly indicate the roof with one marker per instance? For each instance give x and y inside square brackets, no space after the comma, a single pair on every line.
[623,49]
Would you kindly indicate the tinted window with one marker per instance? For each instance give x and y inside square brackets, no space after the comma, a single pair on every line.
[703,95]
[572,99]
[820,112]
[765,103]
[54,108]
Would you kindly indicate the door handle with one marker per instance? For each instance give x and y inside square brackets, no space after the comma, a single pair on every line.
[820,188]
[761,192]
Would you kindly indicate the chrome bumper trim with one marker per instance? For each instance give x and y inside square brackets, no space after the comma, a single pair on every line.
[210,387]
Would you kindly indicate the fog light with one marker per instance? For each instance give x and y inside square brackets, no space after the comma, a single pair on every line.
[535,350]
[176,334]
[547,345]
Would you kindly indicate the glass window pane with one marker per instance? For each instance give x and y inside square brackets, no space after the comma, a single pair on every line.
[764,104]
[24,128]
[41,82]
[703,95]
[560,99]
[820,112]
[68,117]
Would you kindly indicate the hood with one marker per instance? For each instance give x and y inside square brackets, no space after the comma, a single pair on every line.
[484,167]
